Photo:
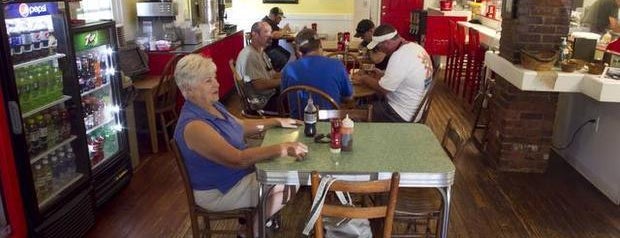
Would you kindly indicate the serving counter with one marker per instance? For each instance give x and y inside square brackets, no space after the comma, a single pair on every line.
[221,50]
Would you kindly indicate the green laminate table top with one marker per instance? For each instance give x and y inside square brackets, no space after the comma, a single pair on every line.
[378,150]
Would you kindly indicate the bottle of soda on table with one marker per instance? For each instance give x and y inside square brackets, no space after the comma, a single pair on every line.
[310,118]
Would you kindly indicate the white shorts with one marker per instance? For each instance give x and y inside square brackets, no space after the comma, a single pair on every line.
[243,194]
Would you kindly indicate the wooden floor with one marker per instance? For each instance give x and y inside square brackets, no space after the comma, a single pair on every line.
[486,203]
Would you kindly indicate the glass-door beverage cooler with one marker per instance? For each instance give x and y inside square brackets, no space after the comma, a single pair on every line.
[98,86]
[66,128]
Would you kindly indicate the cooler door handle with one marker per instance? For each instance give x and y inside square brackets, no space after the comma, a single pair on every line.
[16,118]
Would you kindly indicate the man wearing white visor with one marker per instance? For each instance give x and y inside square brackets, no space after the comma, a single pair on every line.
[406,79]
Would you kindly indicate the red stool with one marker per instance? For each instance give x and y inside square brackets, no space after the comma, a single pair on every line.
[451,56]
[461,59]
[475,60]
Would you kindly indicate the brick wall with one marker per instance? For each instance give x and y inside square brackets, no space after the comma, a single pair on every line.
[520,128]
[538,25]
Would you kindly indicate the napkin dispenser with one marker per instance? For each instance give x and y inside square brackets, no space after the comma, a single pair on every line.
[192,36]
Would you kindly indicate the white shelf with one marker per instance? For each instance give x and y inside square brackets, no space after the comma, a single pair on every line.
[50,150]
[63,99]
[57,192]
[39,60]
[95,89]
[99,126]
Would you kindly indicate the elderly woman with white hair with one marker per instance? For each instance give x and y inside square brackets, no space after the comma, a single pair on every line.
[211,140]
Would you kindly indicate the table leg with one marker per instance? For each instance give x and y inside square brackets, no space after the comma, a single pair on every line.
[149,100]
[263,192]
[445,195]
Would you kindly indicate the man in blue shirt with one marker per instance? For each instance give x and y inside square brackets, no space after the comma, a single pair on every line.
[315,70]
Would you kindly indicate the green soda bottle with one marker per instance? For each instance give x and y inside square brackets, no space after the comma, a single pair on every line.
[57,78]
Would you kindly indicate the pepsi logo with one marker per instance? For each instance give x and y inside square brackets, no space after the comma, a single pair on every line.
[23,10]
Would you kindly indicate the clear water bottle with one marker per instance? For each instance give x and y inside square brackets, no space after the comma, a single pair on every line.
[310,118]
[70,156]
[47,174]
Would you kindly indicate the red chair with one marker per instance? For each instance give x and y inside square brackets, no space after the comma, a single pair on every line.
[461,59]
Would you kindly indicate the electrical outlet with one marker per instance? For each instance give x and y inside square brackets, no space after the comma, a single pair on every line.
[598,119]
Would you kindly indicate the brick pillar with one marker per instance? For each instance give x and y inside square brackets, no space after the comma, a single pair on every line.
[533,25]
[521,123]
[520,128]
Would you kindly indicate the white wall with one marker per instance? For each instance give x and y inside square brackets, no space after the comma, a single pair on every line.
[595,154]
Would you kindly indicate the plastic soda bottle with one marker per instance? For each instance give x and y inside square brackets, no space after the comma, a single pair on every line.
[32,135]
[346,130]
[310,118]
[42,125]
[47,173]
[39,181]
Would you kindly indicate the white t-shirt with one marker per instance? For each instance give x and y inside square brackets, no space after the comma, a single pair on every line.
[407,77]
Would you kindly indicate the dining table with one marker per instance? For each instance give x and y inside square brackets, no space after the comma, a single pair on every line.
[379,149]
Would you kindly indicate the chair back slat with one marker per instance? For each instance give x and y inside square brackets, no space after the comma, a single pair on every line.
[354,212]
[298,95]
[386,211]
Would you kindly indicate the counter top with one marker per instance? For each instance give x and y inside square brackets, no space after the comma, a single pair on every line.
[186,49]
[434,11]
[596,87]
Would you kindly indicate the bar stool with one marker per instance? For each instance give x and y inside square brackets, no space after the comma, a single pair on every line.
[475,60]
[450,58]
[459,61]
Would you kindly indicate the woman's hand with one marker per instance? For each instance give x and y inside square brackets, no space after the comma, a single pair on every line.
[288,122]
[294,149]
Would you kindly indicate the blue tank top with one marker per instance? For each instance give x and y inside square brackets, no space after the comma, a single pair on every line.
[204,174]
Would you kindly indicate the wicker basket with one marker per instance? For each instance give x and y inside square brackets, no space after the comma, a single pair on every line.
[538,60]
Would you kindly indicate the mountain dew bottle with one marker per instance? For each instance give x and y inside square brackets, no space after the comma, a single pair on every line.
[56,75]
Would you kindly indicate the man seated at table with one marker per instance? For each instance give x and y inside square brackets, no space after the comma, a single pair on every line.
[278,55]
[406,79]
[313,69]
[221,172]
[261,80]
[364,30]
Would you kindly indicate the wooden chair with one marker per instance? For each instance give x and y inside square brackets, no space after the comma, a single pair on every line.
[361,115]
[165,98]
[196,211]
[246,108]
[349,60]
[420,209]
[425,105]
[379,186]
[297,96]
[452,135]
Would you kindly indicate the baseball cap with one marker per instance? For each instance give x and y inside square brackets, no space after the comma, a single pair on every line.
[363,26]
[381,34]
[276,11]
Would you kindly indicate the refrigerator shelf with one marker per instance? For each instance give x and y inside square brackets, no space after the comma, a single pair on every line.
[99,126]
[55,194]
[51,149]
[95,89]
[39,60]
[63,99]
